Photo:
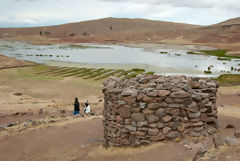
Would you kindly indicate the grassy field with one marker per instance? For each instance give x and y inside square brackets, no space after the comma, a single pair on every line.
[220,53]
[88,73]
[229,79]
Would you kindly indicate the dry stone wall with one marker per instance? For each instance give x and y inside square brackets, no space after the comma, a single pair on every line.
[153,108]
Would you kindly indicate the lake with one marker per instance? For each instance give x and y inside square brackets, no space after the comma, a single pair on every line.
[166,61]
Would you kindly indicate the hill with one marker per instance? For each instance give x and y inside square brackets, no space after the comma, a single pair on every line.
[224,35]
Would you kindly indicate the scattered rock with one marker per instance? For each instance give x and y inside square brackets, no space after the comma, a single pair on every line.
[230,126]
[218,140]
[17,94]
[40,112]
[237,134]
[188,147]
[232,141]
[2,128]
[11,124]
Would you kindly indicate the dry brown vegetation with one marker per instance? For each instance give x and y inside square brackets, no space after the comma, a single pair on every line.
[114,30]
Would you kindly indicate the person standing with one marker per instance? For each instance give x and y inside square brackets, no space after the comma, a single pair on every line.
[76,107]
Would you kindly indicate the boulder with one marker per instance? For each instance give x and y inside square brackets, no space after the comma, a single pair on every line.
[232,141]
[237,133]
[218,140]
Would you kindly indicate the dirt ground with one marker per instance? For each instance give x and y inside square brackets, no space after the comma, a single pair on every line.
[6,62]
[62,137]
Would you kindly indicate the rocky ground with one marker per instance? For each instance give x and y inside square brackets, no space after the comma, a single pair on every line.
[36,124]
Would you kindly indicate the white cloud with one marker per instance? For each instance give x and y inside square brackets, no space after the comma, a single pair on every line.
[51,12]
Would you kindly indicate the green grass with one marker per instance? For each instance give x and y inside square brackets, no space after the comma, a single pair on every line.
[79,71]
[193,53]
[224,59]
[58,71]
[207,72]
[133,75]
[50,69]
[86,72]
[149,73]
[98,74]
[110,74]
[163,52]
[219,53]
[229,79]
[66,72]
[77,46]
[138,69]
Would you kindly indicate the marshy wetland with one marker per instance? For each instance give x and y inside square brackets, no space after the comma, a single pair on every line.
[116,59]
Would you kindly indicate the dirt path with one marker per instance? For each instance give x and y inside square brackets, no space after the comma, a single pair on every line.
[81,140]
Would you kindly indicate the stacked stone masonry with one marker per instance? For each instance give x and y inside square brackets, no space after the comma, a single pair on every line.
[153,108]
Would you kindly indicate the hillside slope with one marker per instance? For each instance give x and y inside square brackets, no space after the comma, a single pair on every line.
[226,33]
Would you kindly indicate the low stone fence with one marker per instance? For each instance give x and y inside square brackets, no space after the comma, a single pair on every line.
[152,108]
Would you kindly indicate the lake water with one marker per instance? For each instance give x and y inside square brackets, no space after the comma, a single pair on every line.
[174,61]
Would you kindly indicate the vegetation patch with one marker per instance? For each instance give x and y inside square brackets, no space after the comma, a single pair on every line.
[224,59]
[207,72]
[219,53]
[92,73]
[77,46]
[229,79]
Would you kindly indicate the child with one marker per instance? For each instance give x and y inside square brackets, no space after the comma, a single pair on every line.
[87,108]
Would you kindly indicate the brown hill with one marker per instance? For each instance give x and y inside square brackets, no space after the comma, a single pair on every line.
[136,30]
[113,28]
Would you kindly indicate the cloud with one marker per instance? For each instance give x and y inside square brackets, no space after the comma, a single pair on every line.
[185,3]
[52,12]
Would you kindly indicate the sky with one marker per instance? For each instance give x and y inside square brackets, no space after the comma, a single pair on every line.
[30,13]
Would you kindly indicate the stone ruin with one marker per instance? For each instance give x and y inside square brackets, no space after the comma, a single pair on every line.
[154,108]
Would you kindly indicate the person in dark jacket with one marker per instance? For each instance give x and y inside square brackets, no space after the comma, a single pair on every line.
[76,107]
